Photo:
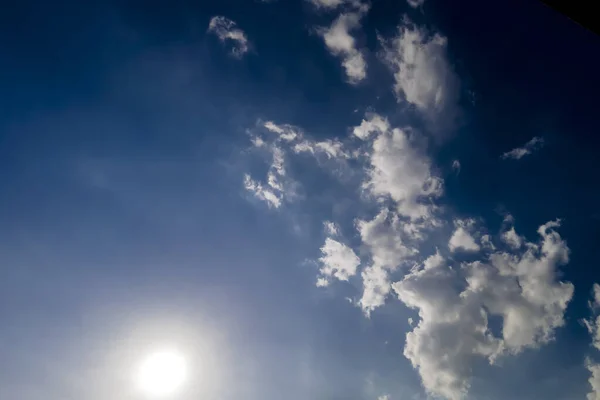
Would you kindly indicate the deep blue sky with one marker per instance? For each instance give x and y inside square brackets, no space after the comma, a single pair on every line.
[123,216]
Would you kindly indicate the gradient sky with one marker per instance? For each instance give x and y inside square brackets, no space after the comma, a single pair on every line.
[312,199]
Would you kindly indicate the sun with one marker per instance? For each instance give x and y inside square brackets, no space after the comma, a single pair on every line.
[162,373]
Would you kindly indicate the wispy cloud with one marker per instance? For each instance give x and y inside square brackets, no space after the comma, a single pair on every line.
[415,3]
[227,31]
[332,4]
[516,154]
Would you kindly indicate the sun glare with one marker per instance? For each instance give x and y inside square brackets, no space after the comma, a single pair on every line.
[162,373]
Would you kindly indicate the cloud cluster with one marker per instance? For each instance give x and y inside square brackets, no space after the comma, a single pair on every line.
[506,277]
[227,31]
[517,153]
[455,305]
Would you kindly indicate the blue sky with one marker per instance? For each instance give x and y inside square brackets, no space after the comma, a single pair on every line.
[324,199]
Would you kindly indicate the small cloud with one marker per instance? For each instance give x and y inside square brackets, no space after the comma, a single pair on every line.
[462,239]
[516,154]
[322,282]
[332,4]
[227,31]
[331,228]
[456,166]
[338,260]
[341,43]
[374,123]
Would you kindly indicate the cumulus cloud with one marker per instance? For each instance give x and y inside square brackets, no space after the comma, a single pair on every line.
[423,75]
[454,306]
[400,171]
[462,239]
[383,236]
[228,32]
[338,261]
[331,228]
[341,43]
[511,238]
[374,123]
[594,379]
[516,154]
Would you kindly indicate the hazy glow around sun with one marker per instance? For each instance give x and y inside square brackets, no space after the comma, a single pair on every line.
[162,373]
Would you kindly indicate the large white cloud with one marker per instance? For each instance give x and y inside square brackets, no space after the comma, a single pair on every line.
[227,31]
[454,306]
[423,75]
[340,42]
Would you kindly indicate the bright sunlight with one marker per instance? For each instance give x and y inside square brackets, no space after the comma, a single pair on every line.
[162,373]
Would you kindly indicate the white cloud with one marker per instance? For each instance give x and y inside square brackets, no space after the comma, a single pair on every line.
[518,284]
[376,288]
[486,242]
[266,194]
[594,379]
[341,43]
[415,3]
[511,238]
[330,148]
[453,329]
[529,147]
[277,186]
[331,4]
[374,123]
[286,132]
[331,228]
[227,31]
[384,397]
[383,236]
[462,239]
[456,166]
[593,326]
[401,172]
[338,260]
[423,76]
